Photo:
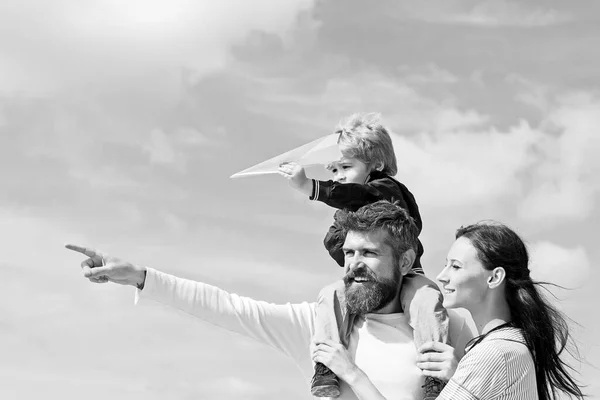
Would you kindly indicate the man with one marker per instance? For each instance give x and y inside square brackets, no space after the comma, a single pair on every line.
[379,250]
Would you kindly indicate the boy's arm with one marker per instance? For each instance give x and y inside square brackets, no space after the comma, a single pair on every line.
[334,241]
[352,196]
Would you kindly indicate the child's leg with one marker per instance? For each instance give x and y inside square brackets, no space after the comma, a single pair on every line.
[422,302]
[332,320]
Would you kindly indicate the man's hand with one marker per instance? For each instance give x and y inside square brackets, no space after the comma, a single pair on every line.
[437,360]
[102,268]
[337,358]
[294,172]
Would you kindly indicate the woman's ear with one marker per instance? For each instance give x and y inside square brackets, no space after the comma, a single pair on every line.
[496,278]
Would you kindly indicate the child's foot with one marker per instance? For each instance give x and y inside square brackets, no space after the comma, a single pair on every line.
[432,388]
[324,383]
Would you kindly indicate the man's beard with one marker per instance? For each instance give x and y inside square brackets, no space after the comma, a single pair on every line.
[370,296]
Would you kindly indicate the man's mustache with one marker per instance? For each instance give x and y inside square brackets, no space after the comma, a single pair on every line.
[361,272]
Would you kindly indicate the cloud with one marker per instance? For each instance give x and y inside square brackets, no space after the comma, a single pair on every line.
[50,47]
[160,150]
[432,75]
[461,168]
[403,107]
[493,13]
[534,94]
[564,179]
[567,267]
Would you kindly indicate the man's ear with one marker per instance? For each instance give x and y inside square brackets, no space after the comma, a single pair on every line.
[496,278]
[406,261]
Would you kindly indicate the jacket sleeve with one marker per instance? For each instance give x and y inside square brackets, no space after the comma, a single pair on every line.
[334,241]
[352,196]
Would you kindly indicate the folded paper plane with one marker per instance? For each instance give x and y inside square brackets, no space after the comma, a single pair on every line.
[318,152]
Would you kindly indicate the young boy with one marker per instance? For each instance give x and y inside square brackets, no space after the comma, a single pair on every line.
[363,176]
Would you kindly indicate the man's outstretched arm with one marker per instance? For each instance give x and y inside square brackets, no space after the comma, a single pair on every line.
[287,327]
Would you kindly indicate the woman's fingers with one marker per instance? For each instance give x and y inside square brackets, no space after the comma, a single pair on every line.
[436,357]
[434,347]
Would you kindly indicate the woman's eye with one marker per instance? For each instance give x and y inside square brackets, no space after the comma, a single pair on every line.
[334,170]
[454,266]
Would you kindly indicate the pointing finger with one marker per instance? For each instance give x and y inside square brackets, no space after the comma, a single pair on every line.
[83,250]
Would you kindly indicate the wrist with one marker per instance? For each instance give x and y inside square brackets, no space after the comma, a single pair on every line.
[353,375]
[307,187]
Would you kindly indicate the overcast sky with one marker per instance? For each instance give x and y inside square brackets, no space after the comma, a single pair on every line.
[121,122]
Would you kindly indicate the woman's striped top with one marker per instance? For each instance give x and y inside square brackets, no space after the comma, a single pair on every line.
[500,367]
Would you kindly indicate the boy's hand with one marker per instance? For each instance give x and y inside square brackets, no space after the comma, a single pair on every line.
[294,172]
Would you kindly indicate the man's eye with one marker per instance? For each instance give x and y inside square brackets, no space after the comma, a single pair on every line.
[454,266]
[334,170]
[346,167]
[348,253]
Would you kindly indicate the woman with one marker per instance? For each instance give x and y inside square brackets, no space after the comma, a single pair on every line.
[516,356]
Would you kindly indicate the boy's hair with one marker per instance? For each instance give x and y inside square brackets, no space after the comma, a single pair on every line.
[362,136]
[390,217]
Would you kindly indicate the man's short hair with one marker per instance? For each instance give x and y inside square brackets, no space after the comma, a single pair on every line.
[362,136]
[390,217]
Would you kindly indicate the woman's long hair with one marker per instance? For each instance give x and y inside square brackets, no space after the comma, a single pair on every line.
[544,328]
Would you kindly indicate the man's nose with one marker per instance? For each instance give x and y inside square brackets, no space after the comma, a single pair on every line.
[354,263]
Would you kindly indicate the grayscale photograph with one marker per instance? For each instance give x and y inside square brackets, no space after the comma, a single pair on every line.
[299,199]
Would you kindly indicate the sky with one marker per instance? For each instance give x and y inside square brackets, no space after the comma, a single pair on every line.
[121,122]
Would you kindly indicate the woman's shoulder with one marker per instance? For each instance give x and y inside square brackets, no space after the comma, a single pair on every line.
[508,344]
[500,364]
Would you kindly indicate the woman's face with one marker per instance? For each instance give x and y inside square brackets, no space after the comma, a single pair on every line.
[464,280]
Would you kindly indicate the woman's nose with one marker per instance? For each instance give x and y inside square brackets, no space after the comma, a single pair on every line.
[442,276]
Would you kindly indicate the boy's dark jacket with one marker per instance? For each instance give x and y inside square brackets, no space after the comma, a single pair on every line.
[352,196]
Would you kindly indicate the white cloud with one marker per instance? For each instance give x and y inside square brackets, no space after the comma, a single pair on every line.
[433,75]
[532,93]
[567,267]
[463,168]
[138,42]
[565,178]
[492,13]
[402,106]
[161,151]
[172,149]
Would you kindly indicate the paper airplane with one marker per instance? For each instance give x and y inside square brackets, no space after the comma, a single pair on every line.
[318,152]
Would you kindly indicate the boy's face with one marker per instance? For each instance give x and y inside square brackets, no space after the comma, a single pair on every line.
[349,170]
